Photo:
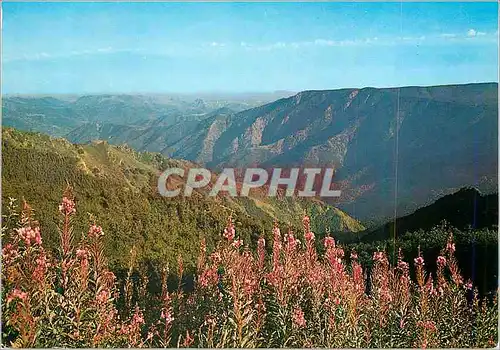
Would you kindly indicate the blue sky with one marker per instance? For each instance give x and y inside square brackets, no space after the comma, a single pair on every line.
[238,47]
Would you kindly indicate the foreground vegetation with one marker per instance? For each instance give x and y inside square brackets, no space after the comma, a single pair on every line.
[292,291]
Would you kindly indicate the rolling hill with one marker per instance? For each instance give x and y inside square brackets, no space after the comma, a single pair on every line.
[117,186]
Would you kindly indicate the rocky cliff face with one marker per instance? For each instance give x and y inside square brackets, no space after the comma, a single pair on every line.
[394,149]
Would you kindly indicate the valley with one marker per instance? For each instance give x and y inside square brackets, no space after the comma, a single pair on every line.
[393,150]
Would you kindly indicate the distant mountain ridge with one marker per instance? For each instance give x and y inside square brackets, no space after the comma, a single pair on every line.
[394,150]
[58,115]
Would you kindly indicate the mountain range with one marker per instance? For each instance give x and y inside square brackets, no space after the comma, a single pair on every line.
[58,115]
[394,150]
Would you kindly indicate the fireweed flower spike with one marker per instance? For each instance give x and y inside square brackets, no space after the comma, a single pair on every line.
[237,243]
[30,235]
[441,261]
[9,254]
[167,316]
[40,269]
[378,256]
[95,231]
[298,318]
[67,206]
[306,222]
[450,245]
[67,209]
[309,236]
[419,265]
[329,242]
[261,252]
[229,230]
[468,285]
[419,261]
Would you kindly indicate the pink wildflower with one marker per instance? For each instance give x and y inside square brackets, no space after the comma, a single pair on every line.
[378,256]
[188,340]
[291,241]
[38,237]
[81,254]
[95,231]
[16,294]
[419,261]
[29,235]
[238,243]
[403,265]
[67,206]
[137,318]
[429,325]
[441,261]
[25,234]
[102,296]
[229,230]
[276,233]
[210,320]
[329,242]
[430,286]
[209,277]
[298,318]
[402,323]
[40,268]
[167,316]
[9,253]
[309,236]
[450,247]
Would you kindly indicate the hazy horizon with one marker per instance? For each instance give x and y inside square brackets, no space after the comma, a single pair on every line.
[203,94]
